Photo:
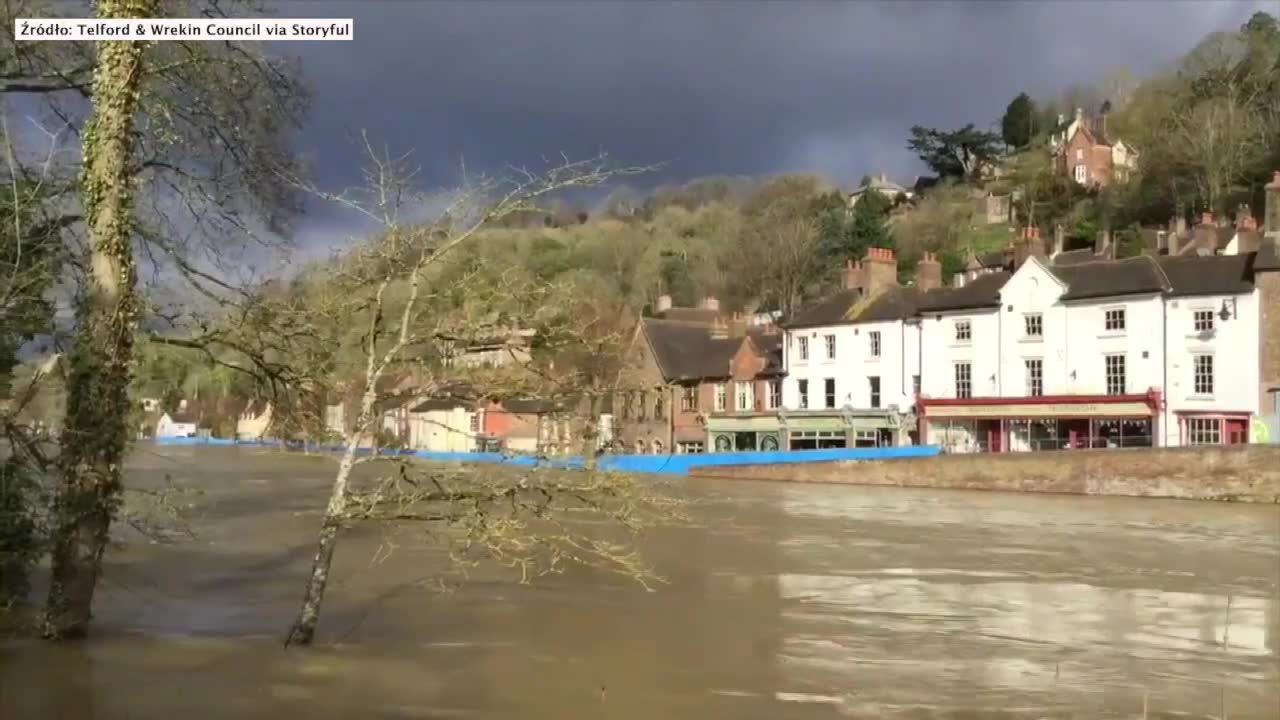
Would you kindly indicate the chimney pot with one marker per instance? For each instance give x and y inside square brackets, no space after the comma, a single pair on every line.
[664,304]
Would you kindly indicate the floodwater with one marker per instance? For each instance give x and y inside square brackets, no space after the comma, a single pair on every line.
[789,601]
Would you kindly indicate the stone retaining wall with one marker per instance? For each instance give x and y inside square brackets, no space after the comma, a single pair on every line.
[1249,473]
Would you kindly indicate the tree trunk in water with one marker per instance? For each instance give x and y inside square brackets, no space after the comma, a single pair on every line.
[304,628]
[96,435]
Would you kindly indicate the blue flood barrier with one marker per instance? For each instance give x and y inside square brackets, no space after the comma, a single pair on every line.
[647,464]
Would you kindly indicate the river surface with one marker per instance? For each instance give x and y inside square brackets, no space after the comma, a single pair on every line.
[787,601]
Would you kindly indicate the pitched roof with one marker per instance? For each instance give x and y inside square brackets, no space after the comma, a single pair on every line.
[1208,275]
[690,314]
[1075,257]
[849,307]
[687,351]
[184,418]
[981,292]
[1107,278]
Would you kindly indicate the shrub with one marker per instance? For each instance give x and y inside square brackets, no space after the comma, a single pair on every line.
[20,536]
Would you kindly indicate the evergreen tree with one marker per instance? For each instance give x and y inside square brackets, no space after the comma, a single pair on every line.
[1017,127]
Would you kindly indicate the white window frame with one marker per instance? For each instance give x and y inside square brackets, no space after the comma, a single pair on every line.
[689,398]
[1202,380]
[722,399]
[829,399]
[1204,431]
[830,342]
[1079,153]
[1082,174]
[803,348]
[1109,363]
[1035,376]
[774,396]
[1034,321]
[964,331]
[745,395]
[1115,320]
[873,338]
[1202,320]
[875,390]
[802,391]
[963,380]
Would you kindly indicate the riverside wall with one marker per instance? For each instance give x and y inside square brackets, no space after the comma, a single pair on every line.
[1246,473]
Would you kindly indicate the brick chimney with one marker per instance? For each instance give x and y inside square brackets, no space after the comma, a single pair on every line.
[1205,235]
[1271,214]
[664,304]
[738,324]
[1029,245]
[1059,239]
[851,277]
[880,268]
[718,330]
[1245,220]
[710,302]
[929,272]
[958,280]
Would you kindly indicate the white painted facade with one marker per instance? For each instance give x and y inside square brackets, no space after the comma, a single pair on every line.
[451,430]
[854,364]
[1154,333]
[168,427]
[1233,345]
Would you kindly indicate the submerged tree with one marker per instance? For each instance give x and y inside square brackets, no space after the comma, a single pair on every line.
[379,325]
[98,398]
[179,142]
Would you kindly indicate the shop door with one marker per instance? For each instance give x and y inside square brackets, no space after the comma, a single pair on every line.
[1237,430]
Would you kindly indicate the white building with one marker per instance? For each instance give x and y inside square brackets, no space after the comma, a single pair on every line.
[853,360]
[176,425]
[1137,352]
[442,426]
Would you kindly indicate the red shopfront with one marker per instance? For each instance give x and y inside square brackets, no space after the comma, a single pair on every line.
[1021,424]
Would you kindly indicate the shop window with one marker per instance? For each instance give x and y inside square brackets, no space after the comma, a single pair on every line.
[1204,431]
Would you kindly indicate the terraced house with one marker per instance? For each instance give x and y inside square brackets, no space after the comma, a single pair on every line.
[1044,351]
[710,381]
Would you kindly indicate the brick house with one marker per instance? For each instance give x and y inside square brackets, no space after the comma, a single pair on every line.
[1266,269]
[1085,153]
[689,374]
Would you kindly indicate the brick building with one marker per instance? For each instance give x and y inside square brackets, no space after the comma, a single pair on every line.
[1266,269]
[1087,154]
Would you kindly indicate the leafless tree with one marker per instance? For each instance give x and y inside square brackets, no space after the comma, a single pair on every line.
[411,304]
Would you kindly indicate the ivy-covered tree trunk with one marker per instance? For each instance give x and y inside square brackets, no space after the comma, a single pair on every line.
[96,433]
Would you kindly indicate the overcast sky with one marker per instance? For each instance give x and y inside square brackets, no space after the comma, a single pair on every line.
[710,87]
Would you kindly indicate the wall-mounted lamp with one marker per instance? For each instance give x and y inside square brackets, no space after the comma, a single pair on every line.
[1226,314]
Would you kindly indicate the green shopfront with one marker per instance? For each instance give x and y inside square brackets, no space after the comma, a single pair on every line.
[744,432]
[801,430]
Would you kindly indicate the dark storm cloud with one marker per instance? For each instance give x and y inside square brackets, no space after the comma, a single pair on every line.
[712,87]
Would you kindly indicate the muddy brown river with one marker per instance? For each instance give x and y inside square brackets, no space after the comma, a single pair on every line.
[788,601]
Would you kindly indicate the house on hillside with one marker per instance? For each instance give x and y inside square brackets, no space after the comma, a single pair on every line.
[513,348]
[177,425]
[1086,153]
[883,185]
